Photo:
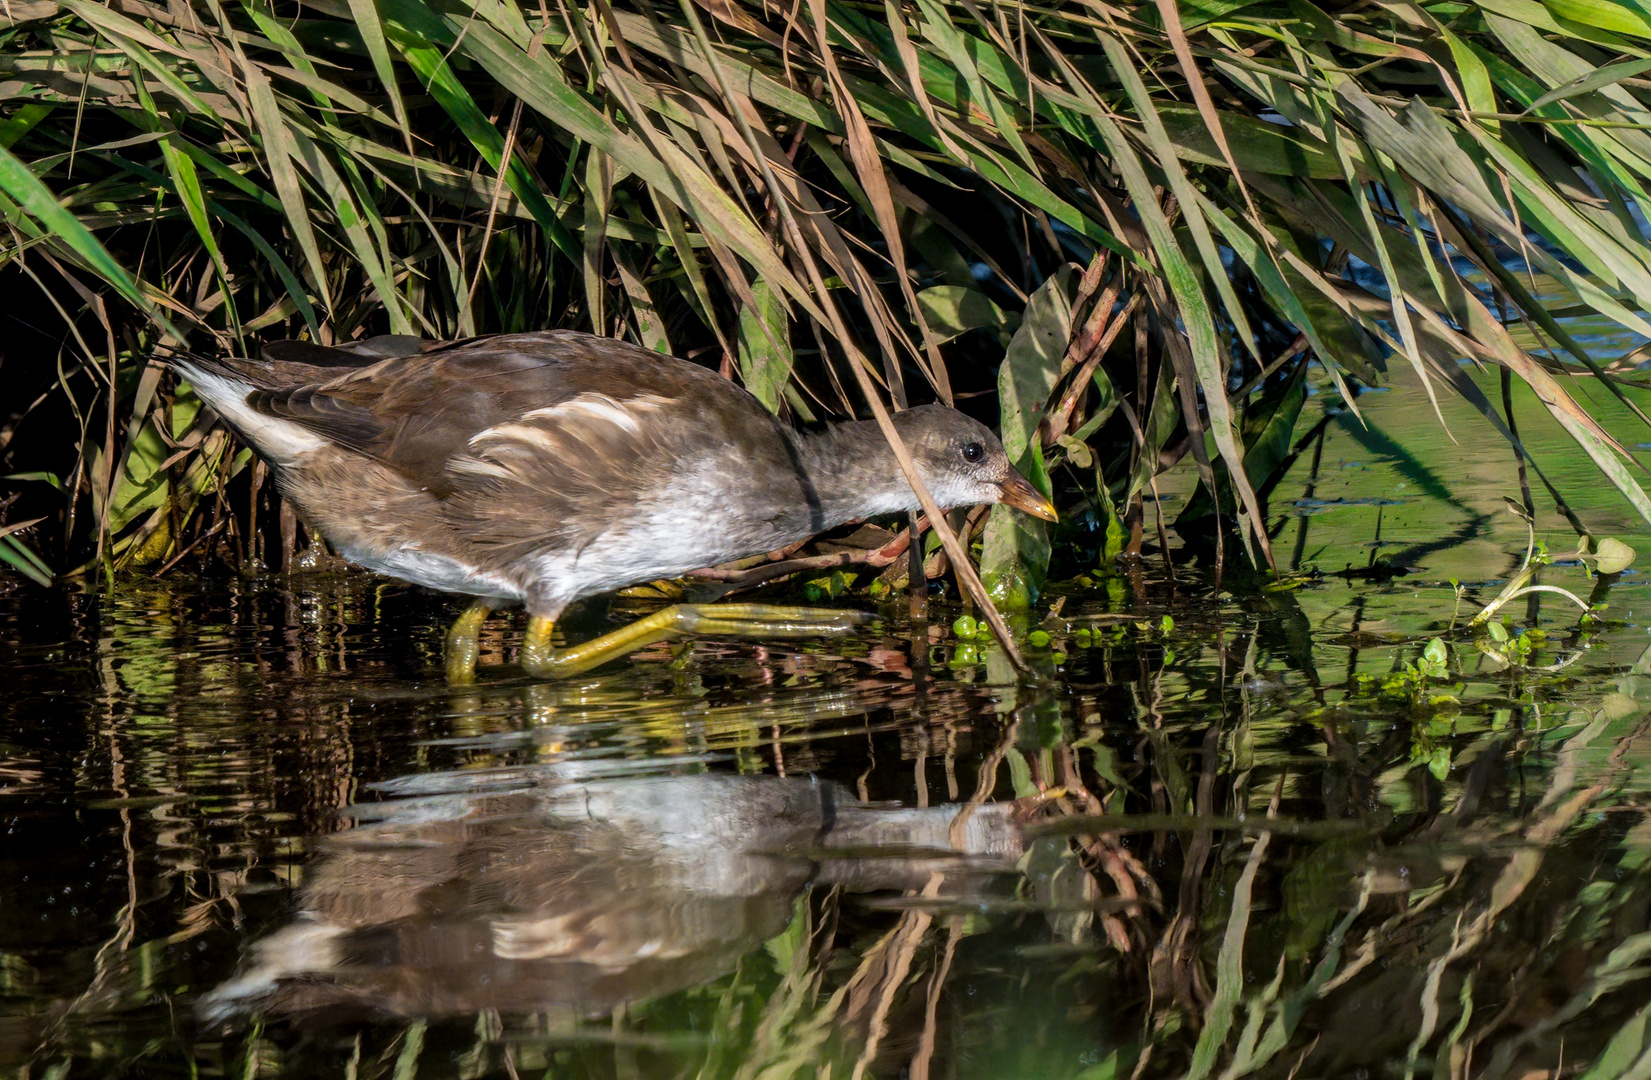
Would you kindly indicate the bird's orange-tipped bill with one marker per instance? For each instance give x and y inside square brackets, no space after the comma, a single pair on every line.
[1017,492]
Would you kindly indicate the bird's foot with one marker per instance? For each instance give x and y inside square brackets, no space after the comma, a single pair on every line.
[720,620]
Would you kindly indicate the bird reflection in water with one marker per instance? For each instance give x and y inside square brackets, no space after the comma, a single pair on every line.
[529,889]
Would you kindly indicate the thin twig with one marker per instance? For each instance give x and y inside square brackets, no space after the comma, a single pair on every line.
[1060,419]
[877,557]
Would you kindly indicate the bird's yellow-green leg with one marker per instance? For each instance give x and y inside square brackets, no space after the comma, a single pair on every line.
[464,643]
[537,655]
[720,620]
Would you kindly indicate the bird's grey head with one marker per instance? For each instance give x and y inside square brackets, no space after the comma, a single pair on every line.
[962,463]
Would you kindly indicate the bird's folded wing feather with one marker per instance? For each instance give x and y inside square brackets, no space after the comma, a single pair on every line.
[530,426]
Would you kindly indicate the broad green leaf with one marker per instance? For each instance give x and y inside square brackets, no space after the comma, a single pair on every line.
[21,121]
[1269,428]
[1257,146]
[1625,1054]
[1474,76]
[1602,14]
[765,347]
[941,251]
[1612,556]
[1015,553]
[953,310]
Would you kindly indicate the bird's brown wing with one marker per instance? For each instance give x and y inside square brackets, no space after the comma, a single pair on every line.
[418,411]
[529,439]
[355,354]
[564,457]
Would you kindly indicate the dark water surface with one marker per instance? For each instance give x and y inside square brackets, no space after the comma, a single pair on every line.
[246,830]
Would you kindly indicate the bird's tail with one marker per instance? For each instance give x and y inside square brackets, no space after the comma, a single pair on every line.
[217,380]
[233,388]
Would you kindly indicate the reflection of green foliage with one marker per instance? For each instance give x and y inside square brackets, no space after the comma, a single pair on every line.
[17,978]
[1303,850]
[1317,890]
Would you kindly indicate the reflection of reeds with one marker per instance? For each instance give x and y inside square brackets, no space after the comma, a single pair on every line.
[1266,1012]
[1460,981]
[1228,875]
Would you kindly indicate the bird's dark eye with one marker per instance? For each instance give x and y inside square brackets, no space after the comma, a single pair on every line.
[973,451]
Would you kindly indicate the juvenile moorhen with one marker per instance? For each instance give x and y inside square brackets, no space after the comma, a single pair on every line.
[546,467]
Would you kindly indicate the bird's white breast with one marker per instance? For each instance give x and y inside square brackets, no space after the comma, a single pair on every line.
[694,524]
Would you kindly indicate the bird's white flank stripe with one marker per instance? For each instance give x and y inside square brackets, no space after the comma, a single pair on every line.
[601,407]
